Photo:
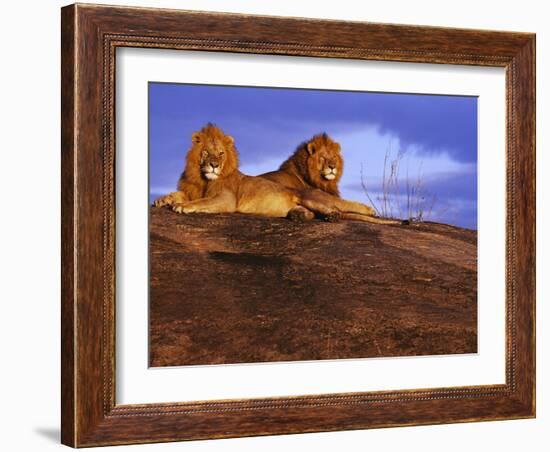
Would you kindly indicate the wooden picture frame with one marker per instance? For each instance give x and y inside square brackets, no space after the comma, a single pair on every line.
[90,36]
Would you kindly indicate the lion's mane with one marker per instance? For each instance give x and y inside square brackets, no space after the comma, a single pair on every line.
[304,163]
[191,180]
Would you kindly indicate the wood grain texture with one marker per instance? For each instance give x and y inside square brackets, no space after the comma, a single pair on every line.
[67,227]
[90,36]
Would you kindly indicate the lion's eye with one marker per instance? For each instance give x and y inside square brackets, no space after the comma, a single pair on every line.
[222,154]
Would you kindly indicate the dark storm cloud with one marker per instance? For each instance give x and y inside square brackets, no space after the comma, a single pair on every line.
[433,123]
[268,124]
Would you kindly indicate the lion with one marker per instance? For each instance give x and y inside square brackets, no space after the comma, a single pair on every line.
[212,183]
[316,163]
[314,169]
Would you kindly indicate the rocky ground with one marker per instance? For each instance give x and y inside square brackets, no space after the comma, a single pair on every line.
[231,288]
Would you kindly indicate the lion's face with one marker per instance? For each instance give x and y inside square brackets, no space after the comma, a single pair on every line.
[215,152]
[324,159]
[212,162]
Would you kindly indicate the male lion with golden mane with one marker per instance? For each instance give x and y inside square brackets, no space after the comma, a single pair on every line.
[212,183]
[315,169]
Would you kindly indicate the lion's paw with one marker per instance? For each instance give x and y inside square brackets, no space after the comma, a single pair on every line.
[333,217]
[163,201]
[300,214]
[182,208]
[178,208]
[366,210]
[370,211]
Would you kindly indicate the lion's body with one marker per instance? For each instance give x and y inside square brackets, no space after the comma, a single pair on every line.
[243,194]
[307,170]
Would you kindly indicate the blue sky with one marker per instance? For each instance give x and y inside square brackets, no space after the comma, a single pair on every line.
[434,138]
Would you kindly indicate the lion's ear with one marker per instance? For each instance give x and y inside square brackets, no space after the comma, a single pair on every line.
[196,137]
[229,140]
[311,148]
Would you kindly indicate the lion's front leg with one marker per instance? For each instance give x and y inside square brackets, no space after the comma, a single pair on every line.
[354,207]
[225,202]
[335,203]
[321,203]
[300,213]
[177,197]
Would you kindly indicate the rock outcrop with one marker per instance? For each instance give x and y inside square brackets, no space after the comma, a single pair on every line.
[232,288]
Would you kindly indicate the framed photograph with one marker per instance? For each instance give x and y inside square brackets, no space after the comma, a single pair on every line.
[282,225]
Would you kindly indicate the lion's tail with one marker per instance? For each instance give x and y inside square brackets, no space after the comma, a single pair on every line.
[370,219]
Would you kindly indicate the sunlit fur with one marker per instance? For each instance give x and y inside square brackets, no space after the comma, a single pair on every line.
[212,183]
[209,145]
[307,170]
[316,163]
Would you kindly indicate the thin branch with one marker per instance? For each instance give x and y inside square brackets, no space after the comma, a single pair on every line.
[364,186]
[419,205]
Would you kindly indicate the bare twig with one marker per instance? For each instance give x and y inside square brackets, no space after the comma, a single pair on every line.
[364,186]
[415,202]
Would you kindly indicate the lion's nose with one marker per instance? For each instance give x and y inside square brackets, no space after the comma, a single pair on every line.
[214,164]
[332,165]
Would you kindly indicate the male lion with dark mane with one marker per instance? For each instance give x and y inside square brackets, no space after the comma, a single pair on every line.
[315,169]
[212,183]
